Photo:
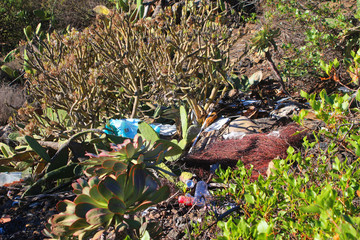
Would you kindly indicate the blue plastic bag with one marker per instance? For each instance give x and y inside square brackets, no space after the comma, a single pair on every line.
[126,128]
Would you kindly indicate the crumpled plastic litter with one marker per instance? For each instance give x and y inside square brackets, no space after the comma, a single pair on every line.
[217,125]
[165,129]
[9,177]
[234,135]
[126,128]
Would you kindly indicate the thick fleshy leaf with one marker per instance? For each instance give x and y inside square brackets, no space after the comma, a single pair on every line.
[86,190]
[82,208]
[130,150]
[79,224]
[120,166]
[116,205]
[141,206]
[135,185]
[96,195]
[160,158]
[93,181]
[66,206]
[37,148]
[171,148]
[98,235]
[104,191]
[79,184]
[99,216]
[109,163]
[65,219]
[159,195]
[134,224]
[137,177]
[153,154]
[60,230]
[112,186]
[101,171]
[82,198]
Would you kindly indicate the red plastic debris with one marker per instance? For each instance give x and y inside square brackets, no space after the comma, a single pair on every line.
[186,200]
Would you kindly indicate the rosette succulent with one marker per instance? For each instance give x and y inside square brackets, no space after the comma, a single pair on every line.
[125,155]
[101,203]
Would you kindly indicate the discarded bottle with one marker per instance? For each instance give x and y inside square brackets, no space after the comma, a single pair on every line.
[186,200]
[201,193]
[190,183]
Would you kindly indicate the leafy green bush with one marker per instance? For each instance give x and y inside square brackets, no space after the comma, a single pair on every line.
[313,193]
[304,197]
[324,30]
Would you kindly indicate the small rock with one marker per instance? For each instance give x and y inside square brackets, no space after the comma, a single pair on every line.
[173,234]
[270,166]
[287,112]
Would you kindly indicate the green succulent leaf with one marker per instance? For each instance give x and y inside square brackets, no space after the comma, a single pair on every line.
[117,206]
[120,167]
[96,195]
[66,206]
[148,132]
[174,148]
[92,182]
[65,219]
[159,195]
[137,176]
[184,121]
[60,159]
[79,224]
[61,173]
[141,206]
[109,163]
[98,216]
[113,187]
[130,150]
[82,208]
[37,148]
[83,198]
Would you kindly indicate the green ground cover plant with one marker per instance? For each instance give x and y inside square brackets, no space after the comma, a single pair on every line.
[324,30]
[312,194]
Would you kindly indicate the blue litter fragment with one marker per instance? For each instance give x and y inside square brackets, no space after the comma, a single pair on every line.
[126,128]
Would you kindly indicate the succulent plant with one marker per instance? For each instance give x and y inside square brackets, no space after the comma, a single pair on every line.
[111,201]
[125,155]
[118,68]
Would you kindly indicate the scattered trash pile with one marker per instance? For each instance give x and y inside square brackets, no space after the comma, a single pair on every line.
[257,149]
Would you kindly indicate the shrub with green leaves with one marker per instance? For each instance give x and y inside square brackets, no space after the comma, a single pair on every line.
[305,197]
[324,30]
[312,194]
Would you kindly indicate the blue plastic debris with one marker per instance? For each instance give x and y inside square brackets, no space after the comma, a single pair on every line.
[126,128]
